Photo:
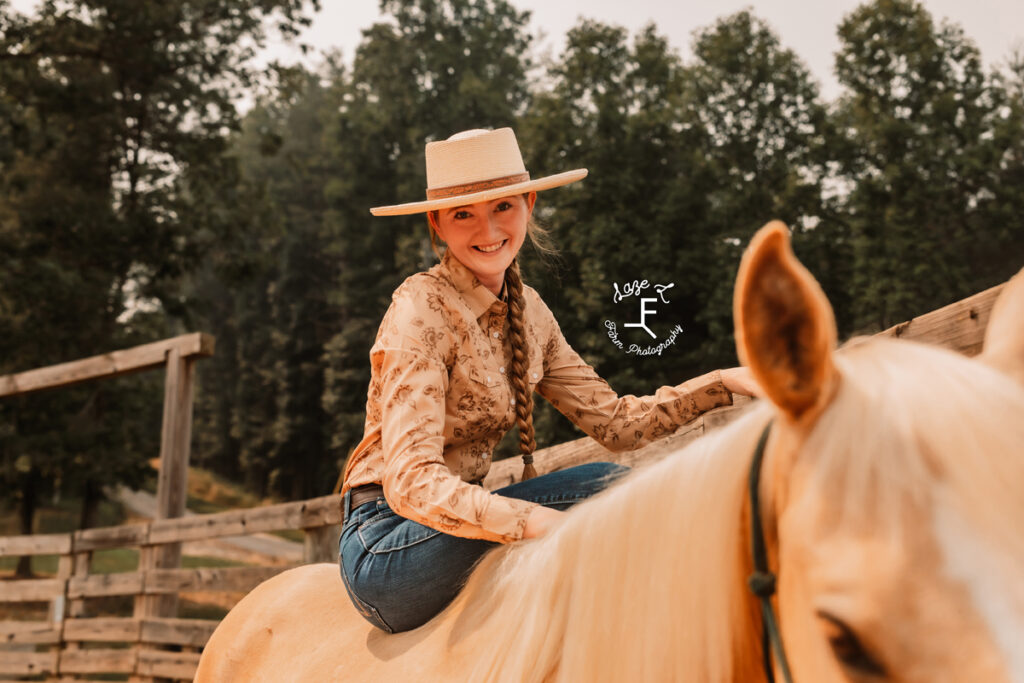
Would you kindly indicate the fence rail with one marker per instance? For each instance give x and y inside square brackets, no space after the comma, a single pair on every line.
[149,645]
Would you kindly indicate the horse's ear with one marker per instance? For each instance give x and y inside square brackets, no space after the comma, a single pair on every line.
[785,329]
[1004,338]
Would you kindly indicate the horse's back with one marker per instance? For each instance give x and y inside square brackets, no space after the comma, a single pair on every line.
[280,625]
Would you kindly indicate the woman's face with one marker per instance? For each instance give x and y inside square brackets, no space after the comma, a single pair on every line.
[485,237]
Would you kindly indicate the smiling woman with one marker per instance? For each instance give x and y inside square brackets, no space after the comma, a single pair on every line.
[456,361]
[486,236]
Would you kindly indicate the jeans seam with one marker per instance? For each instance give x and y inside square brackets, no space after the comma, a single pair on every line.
[434,532]
[545,500]
[359,602]
[375,518]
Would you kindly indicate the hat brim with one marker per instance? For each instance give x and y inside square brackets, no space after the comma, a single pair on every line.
[545,183]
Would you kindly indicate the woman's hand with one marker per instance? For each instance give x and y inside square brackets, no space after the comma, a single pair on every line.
[741,381]
[541,520]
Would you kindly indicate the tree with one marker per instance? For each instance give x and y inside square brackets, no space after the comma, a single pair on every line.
[322,151]
[440,66]
[686,160]
[117,112]
[918,113]
[763,155]
[613,107]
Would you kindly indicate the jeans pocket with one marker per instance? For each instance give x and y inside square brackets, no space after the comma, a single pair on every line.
[380,536]
[365,609]
[371,530]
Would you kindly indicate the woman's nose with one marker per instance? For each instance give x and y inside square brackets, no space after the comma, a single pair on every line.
[493,226]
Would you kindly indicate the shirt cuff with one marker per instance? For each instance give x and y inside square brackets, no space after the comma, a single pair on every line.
[708,392]
[505,519]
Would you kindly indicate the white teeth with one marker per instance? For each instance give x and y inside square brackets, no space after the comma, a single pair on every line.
[493,247]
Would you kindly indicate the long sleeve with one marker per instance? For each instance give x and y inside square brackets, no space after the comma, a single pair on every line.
[412,378]
[619,423]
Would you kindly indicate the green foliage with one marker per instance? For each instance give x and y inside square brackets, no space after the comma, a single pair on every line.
[115,114]
[920,118]
[126,178]
[300,322]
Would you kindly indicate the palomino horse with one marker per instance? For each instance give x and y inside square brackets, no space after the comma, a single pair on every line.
[890,497]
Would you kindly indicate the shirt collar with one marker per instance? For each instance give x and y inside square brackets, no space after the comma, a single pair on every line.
[479,298]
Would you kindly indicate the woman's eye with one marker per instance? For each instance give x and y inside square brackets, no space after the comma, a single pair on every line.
[461,215]
[847,648]
[503,206]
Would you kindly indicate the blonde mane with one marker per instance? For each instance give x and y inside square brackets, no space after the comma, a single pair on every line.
[890,493]
[908,422]
[551,605]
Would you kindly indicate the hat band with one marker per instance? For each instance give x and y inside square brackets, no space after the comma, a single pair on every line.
[472,188]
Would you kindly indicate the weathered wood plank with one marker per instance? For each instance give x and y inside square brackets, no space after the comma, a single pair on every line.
[959,326]
[97,661]
[35,632]
[321,544]
[38,544]
[186,632]
[297,515]
[110,364]
[110,537]
[180,665]
[27,663]
[30,590]
[319,512]
[172,484]
[584,450]
[80,570]
[103,629]
[98,585]
[227,579]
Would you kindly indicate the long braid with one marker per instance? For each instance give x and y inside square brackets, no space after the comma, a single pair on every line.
[520,384]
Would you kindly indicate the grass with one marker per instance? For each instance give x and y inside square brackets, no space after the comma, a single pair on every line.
[61,517]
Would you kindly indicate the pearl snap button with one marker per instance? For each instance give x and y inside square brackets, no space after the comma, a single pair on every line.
[513,401]
[485,455]
[535,375]
[496,335]
[501,370]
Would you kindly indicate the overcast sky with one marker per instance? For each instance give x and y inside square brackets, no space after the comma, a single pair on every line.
[806,26]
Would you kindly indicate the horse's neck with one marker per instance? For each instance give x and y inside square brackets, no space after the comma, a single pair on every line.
[643,583]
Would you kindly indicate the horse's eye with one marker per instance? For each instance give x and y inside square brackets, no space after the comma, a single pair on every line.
[848,649]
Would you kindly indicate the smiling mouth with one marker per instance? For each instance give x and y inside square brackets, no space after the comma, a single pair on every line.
[491,247]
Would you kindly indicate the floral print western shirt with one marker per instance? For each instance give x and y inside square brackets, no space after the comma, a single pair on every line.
[440,400]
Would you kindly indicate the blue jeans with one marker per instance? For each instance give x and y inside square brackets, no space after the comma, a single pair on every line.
[399,574]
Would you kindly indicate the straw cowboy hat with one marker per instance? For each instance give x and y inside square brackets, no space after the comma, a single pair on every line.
[476,166]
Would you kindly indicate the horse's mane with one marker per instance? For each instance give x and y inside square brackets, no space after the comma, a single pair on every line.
[568,606]
[908,422]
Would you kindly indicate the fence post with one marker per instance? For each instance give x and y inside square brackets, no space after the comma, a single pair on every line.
[321,544]
[172,483]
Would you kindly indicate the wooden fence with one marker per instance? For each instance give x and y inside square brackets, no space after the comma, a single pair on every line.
[76,639]
[72,641]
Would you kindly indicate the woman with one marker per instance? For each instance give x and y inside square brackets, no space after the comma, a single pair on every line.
[456,361]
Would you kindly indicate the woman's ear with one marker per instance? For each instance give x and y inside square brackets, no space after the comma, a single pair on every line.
[531,200]
[435,223]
